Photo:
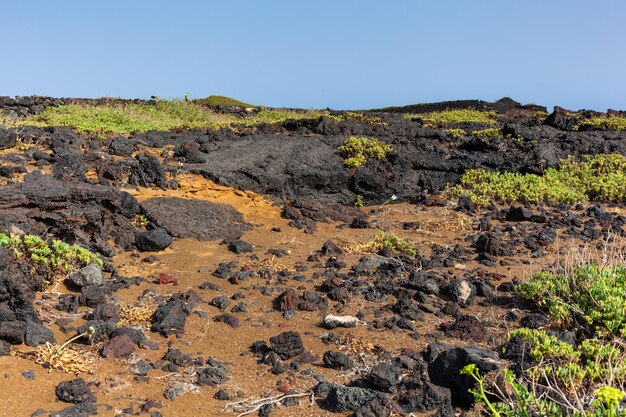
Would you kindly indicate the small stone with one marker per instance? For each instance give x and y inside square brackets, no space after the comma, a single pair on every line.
[178,390]
[463,292]
[89,275]
[29,375]
[331,322]
[384,376]
[220,302]
[239,246]
[118,347]
[142,367]
[287,345]
[337,360]
[75,391]
[222,395]
[153,240]
[213,375]
[229,319]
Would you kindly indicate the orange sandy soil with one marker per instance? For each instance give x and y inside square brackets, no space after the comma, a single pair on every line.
[192,262]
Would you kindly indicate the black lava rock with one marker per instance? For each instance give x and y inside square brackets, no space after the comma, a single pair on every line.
[74,391]
[384,376]
[287,345]
[153,240]
[239,246]
[337,360]
[446,361]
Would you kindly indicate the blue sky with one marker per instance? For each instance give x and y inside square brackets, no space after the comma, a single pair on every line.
[323,53]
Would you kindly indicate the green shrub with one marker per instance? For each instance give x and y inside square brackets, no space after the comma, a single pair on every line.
[358,150]
[610,122]
[395,243]
[447,117]
[517,397]
[588,295]
[598,177]
[488,133]
[272,116]
[361,118]
[456,133]
[56,257]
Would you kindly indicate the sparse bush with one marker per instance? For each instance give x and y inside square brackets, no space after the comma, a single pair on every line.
[362,118]
[609,122]
[598,178]
[358,150]
[140,221]
[395,243]
[488,133]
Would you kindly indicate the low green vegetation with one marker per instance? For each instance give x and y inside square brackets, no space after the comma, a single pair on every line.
[597,178]
[447,117]
[56,257]
[272,116]
[488,133]
[357,150]
[395,243]
[457,133]
[609,122]
[361,118]
[518,400]
[124,119]
[561,378]
[588,295]
[221,101]
[358,201]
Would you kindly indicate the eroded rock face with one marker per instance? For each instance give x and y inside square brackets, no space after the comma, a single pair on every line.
[78,212]
[197,219]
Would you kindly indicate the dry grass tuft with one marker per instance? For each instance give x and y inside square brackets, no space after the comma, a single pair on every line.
[68,359]
[135,315]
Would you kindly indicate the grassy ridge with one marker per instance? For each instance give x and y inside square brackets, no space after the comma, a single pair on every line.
[165,115]
[456,116]
[221,101]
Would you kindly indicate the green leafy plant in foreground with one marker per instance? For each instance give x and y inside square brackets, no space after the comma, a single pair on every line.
[598,177]
[519,401]
[58,258]
[358,150]
[589,295]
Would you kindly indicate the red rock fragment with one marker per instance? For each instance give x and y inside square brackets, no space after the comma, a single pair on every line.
[163,279]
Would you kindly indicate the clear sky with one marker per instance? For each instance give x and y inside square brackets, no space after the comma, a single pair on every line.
[319,53]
